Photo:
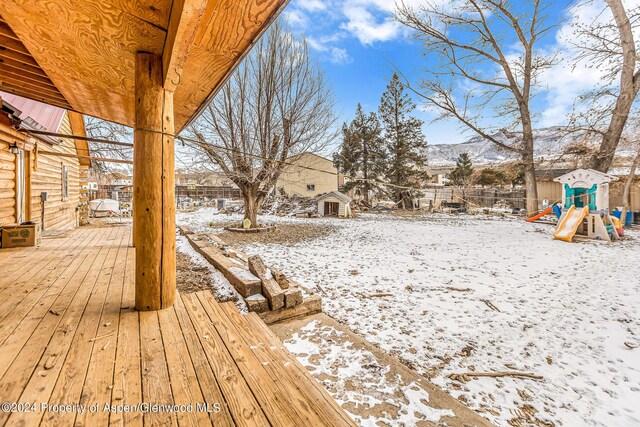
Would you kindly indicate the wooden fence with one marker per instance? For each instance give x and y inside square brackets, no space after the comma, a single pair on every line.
[516,198]
[199,192]
[479,197]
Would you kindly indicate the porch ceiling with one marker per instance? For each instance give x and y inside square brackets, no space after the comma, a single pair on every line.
[21,74]
[86,48]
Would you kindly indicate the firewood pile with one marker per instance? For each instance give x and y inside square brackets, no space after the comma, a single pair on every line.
[282,205]
[502,204]
[291,205]
[266,290]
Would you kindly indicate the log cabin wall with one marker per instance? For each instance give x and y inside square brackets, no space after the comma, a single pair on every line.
[60,212]
[44,174]
[7,179]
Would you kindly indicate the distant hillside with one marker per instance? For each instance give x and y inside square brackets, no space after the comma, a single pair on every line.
[549,145]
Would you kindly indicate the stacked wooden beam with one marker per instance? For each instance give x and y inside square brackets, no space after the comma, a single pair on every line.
[266,291]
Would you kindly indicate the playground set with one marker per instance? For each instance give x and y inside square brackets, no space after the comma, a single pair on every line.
[585,207]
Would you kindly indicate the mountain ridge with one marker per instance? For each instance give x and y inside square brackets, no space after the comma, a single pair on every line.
[549,144]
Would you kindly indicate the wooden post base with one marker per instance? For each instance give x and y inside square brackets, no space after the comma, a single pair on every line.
[153,188]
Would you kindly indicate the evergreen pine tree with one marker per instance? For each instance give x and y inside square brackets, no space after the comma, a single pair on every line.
[404,142]
[361,155]
[462,172]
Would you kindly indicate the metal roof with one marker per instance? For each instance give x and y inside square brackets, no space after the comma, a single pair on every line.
[47,116]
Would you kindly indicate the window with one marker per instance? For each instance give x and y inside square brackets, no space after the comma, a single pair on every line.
[65,181]
[311,187]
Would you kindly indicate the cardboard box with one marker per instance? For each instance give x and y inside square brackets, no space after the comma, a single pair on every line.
[20,236]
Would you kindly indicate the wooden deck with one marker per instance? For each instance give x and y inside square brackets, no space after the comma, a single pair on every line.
[69,336]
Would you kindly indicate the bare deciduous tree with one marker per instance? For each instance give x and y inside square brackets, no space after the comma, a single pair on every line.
[277,104]
[487,47]
[102,129]
[609,46]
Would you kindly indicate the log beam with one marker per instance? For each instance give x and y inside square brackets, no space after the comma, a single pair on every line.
[183,23]
[82,146]
[153,187]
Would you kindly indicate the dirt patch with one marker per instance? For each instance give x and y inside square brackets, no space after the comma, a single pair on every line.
[287,234]
[191,277]
[57,234]
[103,222]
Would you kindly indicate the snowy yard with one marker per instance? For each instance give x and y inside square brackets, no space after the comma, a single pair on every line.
[567,312]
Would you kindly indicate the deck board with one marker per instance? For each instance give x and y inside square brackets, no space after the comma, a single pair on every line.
[9,264]
[28,343]
[127,383]
[16,303]
[272,398]
[98,382]
[184,382]
[70,382]
[70,335]
[38,274]
[208,383]
[41,384]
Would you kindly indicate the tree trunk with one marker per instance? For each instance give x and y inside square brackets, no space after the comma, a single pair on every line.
[251,206]
[603,159]
[365,171]
[628,90]
[626,196]
[530,184]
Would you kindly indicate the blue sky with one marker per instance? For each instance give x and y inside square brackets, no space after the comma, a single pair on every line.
[358,45]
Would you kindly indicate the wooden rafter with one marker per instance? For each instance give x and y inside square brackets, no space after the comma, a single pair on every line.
[20,73]
[86,158]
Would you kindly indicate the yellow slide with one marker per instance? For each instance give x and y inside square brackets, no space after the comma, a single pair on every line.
[570,223]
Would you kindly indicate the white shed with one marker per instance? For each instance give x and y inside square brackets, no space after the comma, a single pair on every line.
[334,203]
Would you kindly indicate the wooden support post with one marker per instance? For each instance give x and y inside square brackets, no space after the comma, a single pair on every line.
[153,187]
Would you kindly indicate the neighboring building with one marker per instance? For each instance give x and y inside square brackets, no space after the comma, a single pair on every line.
[31,166]
[335,203]
[548,189]
[552,191]
[438,175]
[121,180]
[202,177]
[309,175]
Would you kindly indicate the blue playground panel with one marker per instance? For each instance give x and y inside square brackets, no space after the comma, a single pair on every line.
[577,197]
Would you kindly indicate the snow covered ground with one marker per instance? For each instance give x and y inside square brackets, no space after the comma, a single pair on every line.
[355,379]
[569,312]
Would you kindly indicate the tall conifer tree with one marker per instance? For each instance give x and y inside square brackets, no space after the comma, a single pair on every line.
[361,156]
[404,142]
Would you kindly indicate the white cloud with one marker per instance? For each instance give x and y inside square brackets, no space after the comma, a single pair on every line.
[311,5]
[340,55]
[297,19]
[334,54]
[368,21]
[365,21]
